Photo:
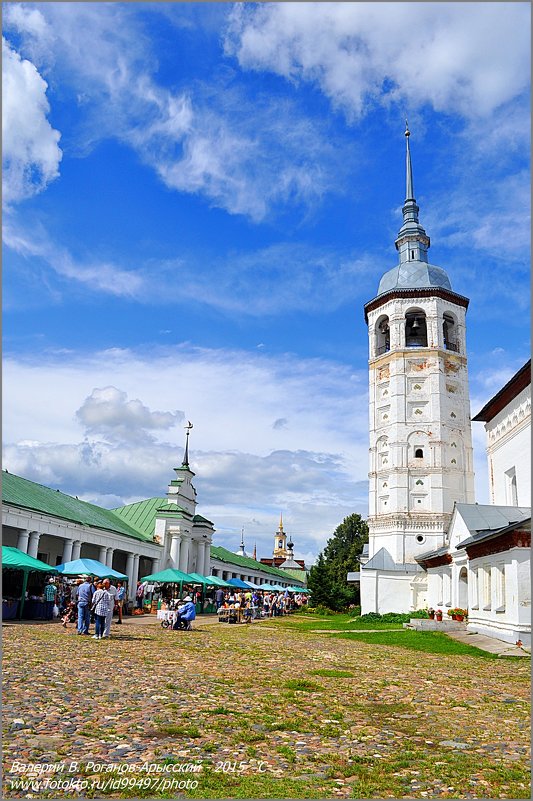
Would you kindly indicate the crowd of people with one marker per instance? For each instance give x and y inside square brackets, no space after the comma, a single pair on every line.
[86,601]
[259,603]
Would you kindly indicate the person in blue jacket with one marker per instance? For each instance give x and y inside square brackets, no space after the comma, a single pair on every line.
[186,613]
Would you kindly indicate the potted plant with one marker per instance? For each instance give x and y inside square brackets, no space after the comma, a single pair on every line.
[431,613]
[457,613]
[438,614]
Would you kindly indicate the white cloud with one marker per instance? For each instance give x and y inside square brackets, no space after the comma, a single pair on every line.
[293,276]
[109,413]
[30,151]
[32,242]
[456,57]
[314,470]
[200,138]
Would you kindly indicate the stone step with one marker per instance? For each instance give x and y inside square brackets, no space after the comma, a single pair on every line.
[425,624]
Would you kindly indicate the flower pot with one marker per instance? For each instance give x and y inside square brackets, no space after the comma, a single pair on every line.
[438,617]
[460,618]
[431,615]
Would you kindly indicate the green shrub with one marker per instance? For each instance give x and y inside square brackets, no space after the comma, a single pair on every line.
[393,617]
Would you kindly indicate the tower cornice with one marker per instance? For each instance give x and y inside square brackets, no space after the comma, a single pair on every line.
[423,292]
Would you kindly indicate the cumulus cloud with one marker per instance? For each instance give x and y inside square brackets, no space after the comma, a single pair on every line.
[244,468]
[358,54]
[107,411]
[30,150]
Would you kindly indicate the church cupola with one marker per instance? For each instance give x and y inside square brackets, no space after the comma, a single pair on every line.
[412,242]
[241,551]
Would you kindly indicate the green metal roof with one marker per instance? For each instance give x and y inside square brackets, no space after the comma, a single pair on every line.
[26,494]
[217,552]
[142,515]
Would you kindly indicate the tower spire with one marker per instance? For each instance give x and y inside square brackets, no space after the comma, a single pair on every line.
[409,191]
[185,462]
[412,242]
[281,521]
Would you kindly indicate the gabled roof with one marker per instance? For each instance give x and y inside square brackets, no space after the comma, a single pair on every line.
[483,536]
[25,494]
[485,517]
[382,560]
[517,383]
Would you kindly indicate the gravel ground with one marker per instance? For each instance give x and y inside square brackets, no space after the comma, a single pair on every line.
[256,712]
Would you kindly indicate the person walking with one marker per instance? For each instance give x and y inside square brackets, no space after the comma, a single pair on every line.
[50,593]
[139,595]
[85,595]
[219,595]
[112,590]
[102,603]
[121,594]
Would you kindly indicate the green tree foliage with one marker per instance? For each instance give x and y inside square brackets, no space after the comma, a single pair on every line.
[327,579]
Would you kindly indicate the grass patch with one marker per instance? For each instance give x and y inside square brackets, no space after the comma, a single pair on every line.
[333,674]
[178,731]
[303,684]
[430,642]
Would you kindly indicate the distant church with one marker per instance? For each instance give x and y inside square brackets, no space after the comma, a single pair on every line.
[421,476]
[283,555]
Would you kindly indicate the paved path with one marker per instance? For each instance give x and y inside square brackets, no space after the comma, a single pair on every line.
[489,644]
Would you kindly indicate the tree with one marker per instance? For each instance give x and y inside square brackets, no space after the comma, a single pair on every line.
[327,579]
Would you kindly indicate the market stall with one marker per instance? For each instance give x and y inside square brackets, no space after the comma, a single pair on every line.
[89,567]
[22,580]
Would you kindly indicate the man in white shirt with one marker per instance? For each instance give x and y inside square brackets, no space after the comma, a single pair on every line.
[112,590]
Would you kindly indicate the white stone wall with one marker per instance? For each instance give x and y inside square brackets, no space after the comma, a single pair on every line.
[419,400]
[508,449]
[383,591]
[500,595]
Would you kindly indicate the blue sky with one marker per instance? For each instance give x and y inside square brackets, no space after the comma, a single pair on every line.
[198,200]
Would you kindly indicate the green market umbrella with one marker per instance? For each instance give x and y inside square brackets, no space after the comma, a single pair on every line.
[15,559]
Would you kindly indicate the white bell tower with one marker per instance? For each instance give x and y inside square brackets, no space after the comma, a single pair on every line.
[421,459]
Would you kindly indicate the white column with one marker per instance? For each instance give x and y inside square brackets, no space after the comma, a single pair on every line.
[33,546]
[102,555]
[207,558]
[129,571]
[175,543]
[76,550]
[184,555]
[22,541]
[135,571]
[109,557]
[201,557]
[155,565]
[67,551]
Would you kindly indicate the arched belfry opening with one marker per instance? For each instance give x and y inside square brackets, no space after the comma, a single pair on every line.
[416,333]
[382,335]
[449,333]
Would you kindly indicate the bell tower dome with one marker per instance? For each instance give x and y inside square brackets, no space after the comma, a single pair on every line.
[421,459]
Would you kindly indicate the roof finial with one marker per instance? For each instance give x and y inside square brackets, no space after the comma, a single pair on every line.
[281,521]
[185,462]
[409,191]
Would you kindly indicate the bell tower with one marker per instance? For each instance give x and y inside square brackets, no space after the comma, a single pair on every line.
[421,459]
[280,541]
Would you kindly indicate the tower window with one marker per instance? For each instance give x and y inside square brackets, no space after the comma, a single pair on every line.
[416,330]
[382,336]
[412,255]
[419,453]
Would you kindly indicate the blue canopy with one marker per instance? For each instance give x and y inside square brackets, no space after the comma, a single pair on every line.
[242,585]
[89,567]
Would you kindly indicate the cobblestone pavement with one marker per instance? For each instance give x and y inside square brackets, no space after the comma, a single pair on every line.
[257,712]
